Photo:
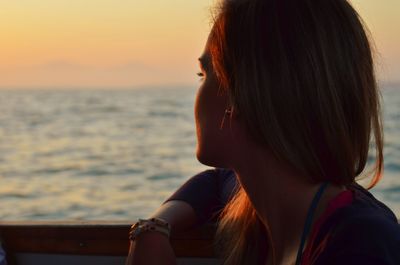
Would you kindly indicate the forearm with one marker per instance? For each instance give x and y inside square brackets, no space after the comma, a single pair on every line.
[205,194]
[151,248]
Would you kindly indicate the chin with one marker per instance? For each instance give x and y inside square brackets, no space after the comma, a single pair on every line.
[203,159]
[211,158]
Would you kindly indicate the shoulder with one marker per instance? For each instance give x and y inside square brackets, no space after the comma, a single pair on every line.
[364,239]
[368,230]
[365,232]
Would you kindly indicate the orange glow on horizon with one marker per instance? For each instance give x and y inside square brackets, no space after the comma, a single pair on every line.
[104,43]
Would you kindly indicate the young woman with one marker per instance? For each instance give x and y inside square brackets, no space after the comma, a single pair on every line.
[288,106]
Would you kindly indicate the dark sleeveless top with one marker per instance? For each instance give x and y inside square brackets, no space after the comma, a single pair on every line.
[356,228]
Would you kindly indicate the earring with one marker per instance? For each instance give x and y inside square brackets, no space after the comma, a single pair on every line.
[228,112]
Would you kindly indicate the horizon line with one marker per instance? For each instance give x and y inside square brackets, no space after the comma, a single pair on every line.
[382,84]
[94,87]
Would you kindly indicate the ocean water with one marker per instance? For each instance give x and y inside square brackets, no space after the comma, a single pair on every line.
[117,154]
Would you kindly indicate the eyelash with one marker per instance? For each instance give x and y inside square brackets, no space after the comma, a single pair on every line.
[201,75]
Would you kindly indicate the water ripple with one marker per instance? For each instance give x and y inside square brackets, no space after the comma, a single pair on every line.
[82,155]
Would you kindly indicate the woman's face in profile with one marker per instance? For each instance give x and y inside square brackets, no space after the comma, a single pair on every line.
[211,102]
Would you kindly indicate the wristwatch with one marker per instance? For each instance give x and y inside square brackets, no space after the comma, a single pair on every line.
[152,225]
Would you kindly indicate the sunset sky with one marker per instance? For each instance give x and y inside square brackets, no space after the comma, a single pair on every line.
[119,44]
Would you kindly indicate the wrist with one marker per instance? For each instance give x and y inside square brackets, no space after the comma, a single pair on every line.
[151,236]
[152,225]
[151,248]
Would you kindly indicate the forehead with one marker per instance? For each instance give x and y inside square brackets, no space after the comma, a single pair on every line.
[205,58]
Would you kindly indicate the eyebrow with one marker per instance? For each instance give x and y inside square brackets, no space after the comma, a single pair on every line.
[204,61]
[201,60]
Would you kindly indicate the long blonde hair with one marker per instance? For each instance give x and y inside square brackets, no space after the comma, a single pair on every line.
[301,75]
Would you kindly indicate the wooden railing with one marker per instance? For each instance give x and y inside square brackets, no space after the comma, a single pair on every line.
[94,238]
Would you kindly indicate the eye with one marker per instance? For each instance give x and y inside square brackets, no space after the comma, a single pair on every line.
[201,75]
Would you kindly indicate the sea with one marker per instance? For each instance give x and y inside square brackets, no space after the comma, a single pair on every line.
[116,155]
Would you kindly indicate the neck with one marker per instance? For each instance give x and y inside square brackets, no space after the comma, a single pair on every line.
[281,197]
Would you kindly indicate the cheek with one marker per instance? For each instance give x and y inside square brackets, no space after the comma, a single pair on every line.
[198,114]
[204,109]
[212,142]
[201,117]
